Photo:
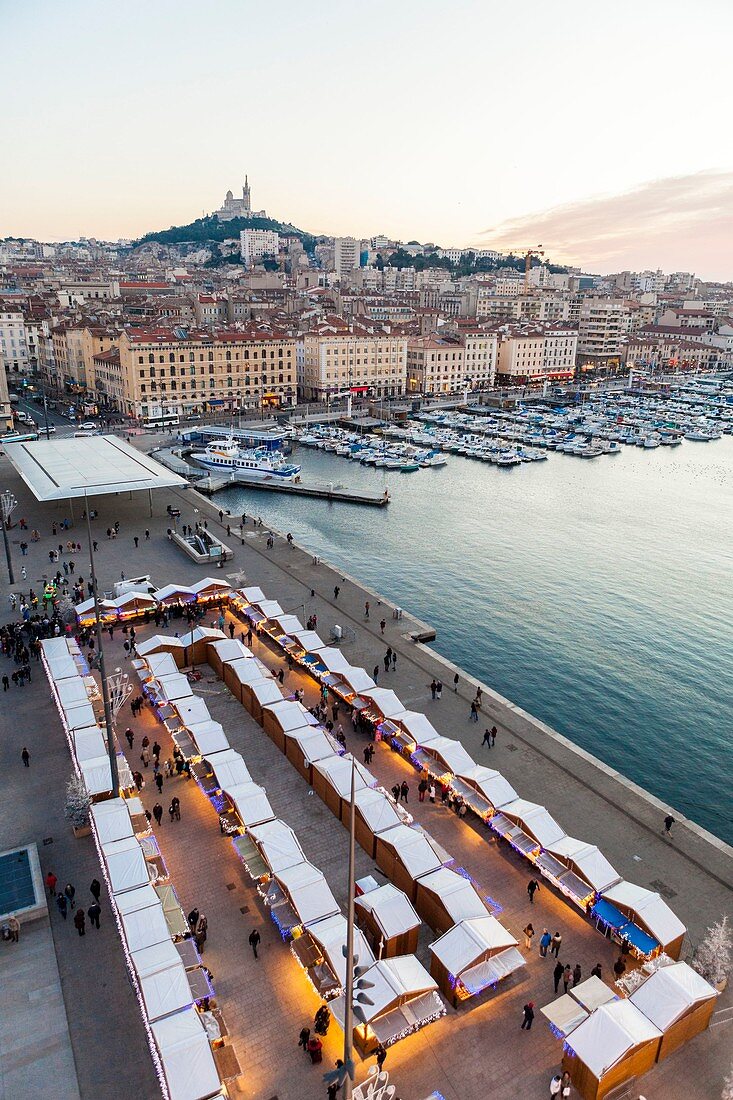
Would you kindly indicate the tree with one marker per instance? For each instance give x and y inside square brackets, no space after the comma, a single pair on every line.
[78,802]
[712,957]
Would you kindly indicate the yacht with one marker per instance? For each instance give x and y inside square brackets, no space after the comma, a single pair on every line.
[226,456]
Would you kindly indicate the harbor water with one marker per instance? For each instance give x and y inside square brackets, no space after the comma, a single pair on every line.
[596,594]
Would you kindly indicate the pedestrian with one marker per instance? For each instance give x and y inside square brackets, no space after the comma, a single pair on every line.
[555,1083]
[455,683]
[70,891]
[566,1084]
[51,881]
[396,792]
[201,934]
[93,913]
[431,792]
[322,1020]
[566,976]
[176,808]
[305,1034]
[80,921]
[479,696]
[473,716]
[528,1016]
[577,975]
[439,690]
[375,674]
[6,683]
[25,756]
[193,919]
[668,823]
[387,660]
[130,736]
[95,888]
[254,941]
[382,624]
[381,1055]
[545,941]
[619,968]
[333,1090]
[156,751]
[433,688]
[159,782]
[493,735]
[366,610]
[232,628]
[136,540]
[315,1048]
[528,935]
[557,974]
[596,972]
[62,904]
[556,944]
[158,813]
[366,755]
[336,591]
[421,790]
[532,888]
[404,790]
[147,536]
[487,738]
[14,928]
[139,781]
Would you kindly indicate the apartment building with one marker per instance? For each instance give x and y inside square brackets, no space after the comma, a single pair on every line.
[602,325]
[346,256]
[74,348]
[334,357]
[535,306]
[255,244]
[435,364]
[529,355]
[174,372]
[21,335]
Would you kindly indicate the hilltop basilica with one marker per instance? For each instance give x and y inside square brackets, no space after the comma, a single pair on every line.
[239,208]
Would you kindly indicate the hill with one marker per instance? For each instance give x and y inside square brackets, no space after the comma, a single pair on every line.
[212,231]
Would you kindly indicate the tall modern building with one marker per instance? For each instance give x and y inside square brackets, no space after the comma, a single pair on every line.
[256,243]
[346,256]
[602,326]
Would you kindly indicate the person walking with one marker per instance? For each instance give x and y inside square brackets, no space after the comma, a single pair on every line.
[366,610]
[159,783]
[433,688]
[382,625]
[487,738]
[596,972]
[439,690]
[70,891]
[62,904]
[577,975]
[528,1016]
[315,1049]
[555,1084]
[14,928]
[473,716]
[6,683]
[80,921]
[545,941]
[431,792]
[93,913]
[51,881]
[557,975]
[528,936]
[193,919]
[336,591]
[381,1056]
[565,1086]
[156,752]
[493,736]
[95,888]
[421,790]
[305,1034]
[254,941]
[176,808]
[532,888]
[404,790]
[455,683]
[668,823]
[556,944]
[566,976]
[158,814]
[25,756]
[130,736]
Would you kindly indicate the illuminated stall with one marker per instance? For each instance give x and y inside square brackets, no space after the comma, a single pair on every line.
[281,628]
[174,595]
[640,918]
[443,898]
[612,1045]
[111,820]
[327,662]
[404,999]
[162,643]
[563,1015]
[388,920]
[472,956]
[170,689]
[678,1001]
[175,918]
[283,717]
[297,897]
[85,614]
[97,776]
[196,642]
[527,826]
[305,747]
[89,743]
[258,613]
[404,854]
[208,736]
[222,651]
[320,950]
[134,605]
[258,694]
[375,813]
[186,1058]
[249,806]
[211,591]
[332,781]
[408,731]
[126,866]
[442,758]
[578,869]
[268,848]
[162,979]
[63,667]
[484,790]
[155,666]
[142,918]
[379,704]
[227,769]
[242,672]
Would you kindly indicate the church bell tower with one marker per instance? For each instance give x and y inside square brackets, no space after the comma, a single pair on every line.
[245,196]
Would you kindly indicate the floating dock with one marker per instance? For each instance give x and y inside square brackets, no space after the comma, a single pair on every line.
[320,489]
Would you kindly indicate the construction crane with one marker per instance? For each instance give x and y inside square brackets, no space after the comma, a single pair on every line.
[528,253]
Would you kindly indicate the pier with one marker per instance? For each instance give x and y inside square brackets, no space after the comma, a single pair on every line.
[322,490]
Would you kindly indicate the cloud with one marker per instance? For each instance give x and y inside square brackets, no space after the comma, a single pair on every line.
[678,223]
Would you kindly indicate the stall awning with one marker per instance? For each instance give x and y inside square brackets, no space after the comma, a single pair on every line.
[649,907]
[609,1033]
[564,1014]
[185,1051]
[391,909]
[229,768]
[111,820]
[229,649]
[278,843]
[492,970]
[466,943]
[670,992]
[308,892]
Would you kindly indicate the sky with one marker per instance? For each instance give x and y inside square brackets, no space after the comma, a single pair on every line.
[599,131]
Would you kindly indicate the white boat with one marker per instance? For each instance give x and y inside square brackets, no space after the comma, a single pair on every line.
[226,456]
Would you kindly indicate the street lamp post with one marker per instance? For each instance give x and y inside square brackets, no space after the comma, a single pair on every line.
[109,717]
[7,504]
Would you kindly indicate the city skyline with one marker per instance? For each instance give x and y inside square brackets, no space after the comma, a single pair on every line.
[145,129]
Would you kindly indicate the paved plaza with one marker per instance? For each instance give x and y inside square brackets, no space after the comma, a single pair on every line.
[468,1055]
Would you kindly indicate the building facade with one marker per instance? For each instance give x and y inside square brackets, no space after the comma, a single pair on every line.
[335,359]
[531,356]
[602,326]
[346,256]
[255,244]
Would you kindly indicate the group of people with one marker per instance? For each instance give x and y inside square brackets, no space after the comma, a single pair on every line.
[66,902]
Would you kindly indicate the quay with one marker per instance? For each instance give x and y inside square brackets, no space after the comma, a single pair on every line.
[322,490]
[265,1002]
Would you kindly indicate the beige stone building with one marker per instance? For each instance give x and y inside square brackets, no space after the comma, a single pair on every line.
[335,357]
[74,349]
[165,374]
[533,355]
[435,364]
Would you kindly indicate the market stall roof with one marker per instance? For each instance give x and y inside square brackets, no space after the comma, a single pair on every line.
[229,649]
[394,981]
[229,768]
[590,861]
[308,892]
[564,1014]
[288,623]
[162,978]
[87,607]
[269,608]
[663,924]
[159,643]
[377,809]
[609,1033]
[337,770]
[112,820]
[592,993]
[188,1062]
[391,909]
[172,592]
[175,687]
[358,679]
[58,647]
[251,803]
[80,716]
[162,664]
[415,849]
[313,743]
[145,926]
[72,692]
[451,753]
[669,992]
[64,469]
[203,634]
[420,728]
[88,743]
[385,700]
[457,895]
[133,597]
[333,659]
[192,711]
[535,820]
[309,640]
[278,843]
[468,941]
[97,774]
[266,690]
[491,784]
[248,669]
[253,594]
[63,667]
[291,715]
[211,584]
[126,866]
[209,736]
[330,933]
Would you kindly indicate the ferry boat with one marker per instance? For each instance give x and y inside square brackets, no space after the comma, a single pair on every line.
[226,456]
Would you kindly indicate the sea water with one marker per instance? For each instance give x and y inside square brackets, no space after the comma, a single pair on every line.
[596,594]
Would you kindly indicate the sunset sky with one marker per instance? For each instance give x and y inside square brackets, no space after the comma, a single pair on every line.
[600,132]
